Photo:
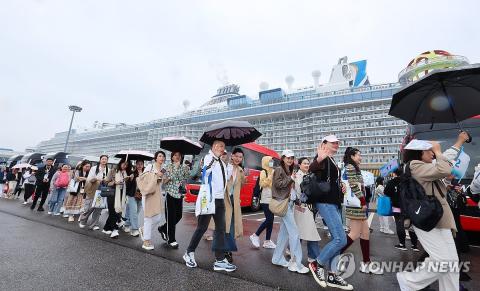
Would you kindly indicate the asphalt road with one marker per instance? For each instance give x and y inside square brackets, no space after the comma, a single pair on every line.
[45,252]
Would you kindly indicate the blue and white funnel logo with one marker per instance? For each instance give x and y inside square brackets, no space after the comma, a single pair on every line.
[344,265]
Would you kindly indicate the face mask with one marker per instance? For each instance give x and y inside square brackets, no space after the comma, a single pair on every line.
[270,164]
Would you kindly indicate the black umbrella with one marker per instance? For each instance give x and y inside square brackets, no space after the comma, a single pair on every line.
[134,155]
[231,132]
[444,96]
[180,144]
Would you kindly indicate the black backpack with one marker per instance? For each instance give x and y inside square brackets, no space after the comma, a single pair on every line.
[424,211]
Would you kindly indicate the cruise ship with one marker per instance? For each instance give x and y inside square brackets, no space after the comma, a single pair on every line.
[293,118]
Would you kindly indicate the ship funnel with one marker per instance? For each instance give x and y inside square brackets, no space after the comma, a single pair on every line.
[316,78]
[289,80]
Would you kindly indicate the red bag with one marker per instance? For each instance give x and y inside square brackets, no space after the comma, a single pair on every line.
[62,180]
[5,188]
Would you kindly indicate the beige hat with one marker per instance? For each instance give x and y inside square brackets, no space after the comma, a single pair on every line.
[330,138]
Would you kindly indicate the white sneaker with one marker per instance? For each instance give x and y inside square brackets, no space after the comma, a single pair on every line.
[292,267]
[81,225]
[135,233]
[402,283]
[268,244]
[49,213]
[369,268]
[388,231]
[114,234]
[24,203]
[65,216]
[255,240]
[71,219]
[106,231]
[57,214]
[148,247]
[126,229]
[189,259]
[96,227]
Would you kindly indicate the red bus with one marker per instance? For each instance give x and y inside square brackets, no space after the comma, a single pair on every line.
[447,134]
[252,162]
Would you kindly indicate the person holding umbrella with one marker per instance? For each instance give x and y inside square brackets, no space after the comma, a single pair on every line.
[215,167]
[176,176]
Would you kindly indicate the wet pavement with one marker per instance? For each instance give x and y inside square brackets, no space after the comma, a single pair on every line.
[46,251]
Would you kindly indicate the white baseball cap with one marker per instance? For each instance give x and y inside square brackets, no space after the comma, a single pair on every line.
[288,153]
[418,145]
[330,138]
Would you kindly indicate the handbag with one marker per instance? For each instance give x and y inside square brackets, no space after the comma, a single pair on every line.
[106,191]
[314,188]
[73,187]
[279,207]
[98,201]
[350,199]
[205,203]
[384,206]
[182,189]
[456,201]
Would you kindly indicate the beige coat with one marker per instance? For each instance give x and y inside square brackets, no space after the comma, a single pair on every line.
[153,201]
[239,182]
[426,174]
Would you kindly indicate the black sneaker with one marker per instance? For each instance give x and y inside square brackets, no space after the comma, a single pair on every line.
[40,209]
[415,249]
[318,273]
[162,233]
[335,281]
[401,247]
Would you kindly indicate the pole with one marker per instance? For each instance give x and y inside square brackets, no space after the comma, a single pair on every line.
[69,129]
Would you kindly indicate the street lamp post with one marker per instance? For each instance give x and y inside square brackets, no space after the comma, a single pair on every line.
[74,109]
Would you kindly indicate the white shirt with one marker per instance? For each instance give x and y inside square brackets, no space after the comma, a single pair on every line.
[102,173]
[219,179]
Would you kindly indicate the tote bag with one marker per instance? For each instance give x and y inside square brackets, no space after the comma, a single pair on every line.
[205,203]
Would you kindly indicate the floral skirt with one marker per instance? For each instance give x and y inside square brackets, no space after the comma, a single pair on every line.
[74,204]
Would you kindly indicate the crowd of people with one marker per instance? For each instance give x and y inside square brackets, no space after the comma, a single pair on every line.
[124,191]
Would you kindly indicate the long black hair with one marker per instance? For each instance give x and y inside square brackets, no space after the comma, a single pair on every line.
[347,157]
[129,166]
[172,154]
[289,171]
[80,167]
[410,155]
[98,165]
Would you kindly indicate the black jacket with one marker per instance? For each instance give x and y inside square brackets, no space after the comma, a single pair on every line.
[41,173]
[132,185]
[392,192]
[321,171]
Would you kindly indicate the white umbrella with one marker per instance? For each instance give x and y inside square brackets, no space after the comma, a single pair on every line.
[21,166]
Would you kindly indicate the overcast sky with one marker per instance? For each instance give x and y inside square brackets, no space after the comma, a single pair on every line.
[135,61]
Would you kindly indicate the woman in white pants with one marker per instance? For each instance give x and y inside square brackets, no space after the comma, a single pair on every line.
[153,203]
[438,242]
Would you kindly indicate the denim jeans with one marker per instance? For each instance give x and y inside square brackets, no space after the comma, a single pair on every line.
[288,234]
[133,209]
[331,214]
[56,200]
[267,223]
[313,249]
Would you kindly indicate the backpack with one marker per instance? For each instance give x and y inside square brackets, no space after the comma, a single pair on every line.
[424,211]
[63,180]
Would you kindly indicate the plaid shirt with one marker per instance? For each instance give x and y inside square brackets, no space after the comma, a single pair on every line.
[176,176]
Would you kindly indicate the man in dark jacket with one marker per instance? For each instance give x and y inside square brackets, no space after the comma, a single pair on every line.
[391,190]
[44,176]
